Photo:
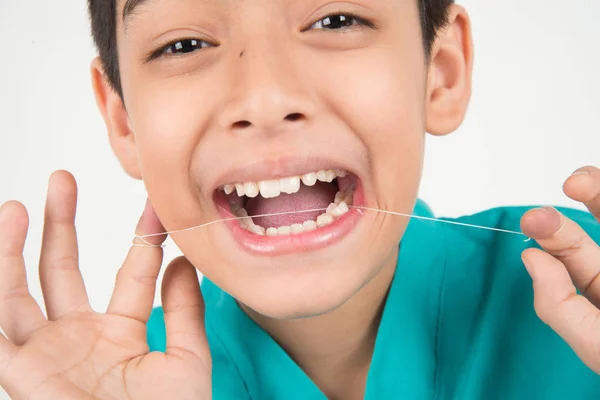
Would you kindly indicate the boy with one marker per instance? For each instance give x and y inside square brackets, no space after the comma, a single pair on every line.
[258,107]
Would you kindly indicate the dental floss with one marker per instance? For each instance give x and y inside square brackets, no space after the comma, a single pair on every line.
[147,244]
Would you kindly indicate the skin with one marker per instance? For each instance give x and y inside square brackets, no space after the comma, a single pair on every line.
[264,70]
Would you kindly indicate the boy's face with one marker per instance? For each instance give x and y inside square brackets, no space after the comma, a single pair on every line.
[257,90]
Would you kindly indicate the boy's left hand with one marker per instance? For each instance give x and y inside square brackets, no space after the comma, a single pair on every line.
[571,261]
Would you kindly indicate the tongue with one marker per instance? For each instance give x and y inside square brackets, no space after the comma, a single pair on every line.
[308,198]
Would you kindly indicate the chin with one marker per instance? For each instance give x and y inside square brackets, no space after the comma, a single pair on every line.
[319,289]
[298,302]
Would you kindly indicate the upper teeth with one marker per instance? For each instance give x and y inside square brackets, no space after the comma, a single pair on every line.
[273,188]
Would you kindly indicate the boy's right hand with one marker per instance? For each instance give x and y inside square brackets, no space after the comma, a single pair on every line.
[77,353]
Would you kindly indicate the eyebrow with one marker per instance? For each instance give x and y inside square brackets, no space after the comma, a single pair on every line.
[130,6]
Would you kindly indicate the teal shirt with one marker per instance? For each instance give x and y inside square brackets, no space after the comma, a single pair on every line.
[458,323]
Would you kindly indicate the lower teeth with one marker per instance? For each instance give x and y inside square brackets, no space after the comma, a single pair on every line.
[337,209]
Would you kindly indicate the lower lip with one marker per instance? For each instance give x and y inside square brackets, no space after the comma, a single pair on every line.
[303,242]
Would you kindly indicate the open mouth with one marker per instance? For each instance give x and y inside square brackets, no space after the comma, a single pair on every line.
[328,195]
[332,190]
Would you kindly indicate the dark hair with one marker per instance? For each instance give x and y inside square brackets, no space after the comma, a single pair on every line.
[103,15]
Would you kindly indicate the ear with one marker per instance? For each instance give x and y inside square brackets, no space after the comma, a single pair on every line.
[449,75]
[120,133]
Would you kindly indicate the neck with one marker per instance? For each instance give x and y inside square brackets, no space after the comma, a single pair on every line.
[335,349]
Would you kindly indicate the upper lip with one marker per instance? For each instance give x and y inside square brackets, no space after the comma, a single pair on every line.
[277,168]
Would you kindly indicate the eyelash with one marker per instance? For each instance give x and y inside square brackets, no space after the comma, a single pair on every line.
[173,49]
[345,17]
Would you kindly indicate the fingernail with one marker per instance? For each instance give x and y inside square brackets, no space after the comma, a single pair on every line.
[144,217]
[527,264]
[562,218]
[146,207]
[149,222]
[548,209]
[582,172]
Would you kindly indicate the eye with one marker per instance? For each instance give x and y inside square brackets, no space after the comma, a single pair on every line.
[180,47]
[185,46]
[340,22]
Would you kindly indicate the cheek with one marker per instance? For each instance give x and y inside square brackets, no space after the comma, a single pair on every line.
[168,122]
[380,97]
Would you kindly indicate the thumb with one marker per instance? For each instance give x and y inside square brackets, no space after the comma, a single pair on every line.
[558,304]
[184,312]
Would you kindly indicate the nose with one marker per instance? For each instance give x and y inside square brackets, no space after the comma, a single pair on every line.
[266,95]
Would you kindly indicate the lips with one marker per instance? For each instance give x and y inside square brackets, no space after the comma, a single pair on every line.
[329,193]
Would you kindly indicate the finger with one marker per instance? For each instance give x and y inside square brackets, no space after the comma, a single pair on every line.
[584,186]
[62,284]
[19,312]
[135,286]
[568,242]
[184,311]
[557,303]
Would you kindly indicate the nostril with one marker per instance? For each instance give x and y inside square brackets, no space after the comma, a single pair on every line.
[294,117]
[246,124]
[242,124]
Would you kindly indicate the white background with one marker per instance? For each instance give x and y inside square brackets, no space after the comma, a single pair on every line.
[533,120]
